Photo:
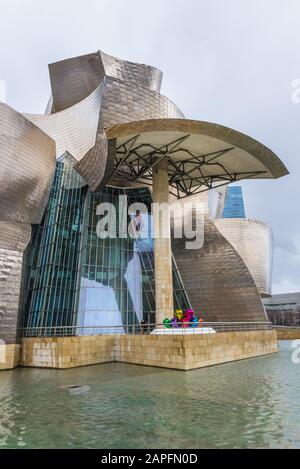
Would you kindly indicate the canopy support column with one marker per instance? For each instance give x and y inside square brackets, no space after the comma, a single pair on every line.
[162,243]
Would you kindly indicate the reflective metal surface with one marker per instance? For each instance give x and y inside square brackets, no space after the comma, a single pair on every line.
[126,102]
[26,170]
[14,237]
[72,80]
[96,91]
[93,166]
[253,241]
[143,75]
[92,93]
[73,129]
[217,280]
[97,102]
[11,262]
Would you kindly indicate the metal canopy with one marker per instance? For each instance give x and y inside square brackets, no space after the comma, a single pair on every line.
[200,155]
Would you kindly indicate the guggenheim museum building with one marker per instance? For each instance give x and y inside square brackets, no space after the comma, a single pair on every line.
[108,131]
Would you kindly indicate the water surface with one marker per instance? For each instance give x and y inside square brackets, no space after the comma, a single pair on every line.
[248,404]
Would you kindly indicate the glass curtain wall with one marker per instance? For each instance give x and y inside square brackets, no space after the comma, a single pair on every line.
[53,253]
[117,284]
[234,203]
[76,277]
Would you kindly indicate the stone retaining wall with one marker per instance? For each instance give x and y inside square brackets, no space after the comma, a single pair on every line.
[67,352]
[189,352]
[178,351]
[9,356]
[288,333]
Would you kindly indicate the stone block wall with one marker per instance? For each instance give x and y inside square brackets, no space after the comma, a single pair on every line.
[190,352]
[288,333]
[67,352]
[178,352]
[9,356]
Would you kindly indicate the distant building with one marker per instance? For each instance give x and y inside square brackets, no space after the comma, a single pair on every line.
[234,203]
[284,309]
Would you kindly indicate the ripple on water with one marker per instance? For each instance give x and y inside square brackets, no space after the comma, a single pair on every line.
[252,403]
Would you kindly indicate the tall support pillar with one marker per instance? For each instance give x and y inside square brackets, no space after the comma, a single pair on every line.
[162,243]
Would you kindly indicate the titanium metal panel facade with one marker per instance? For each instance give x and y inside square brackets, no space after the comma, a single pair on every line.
[26,167]
[14,237]
[11,264]
[217,281]
[73,129]
[92,93]
[253,241]
[125,102]
[27,162]
[73,80]
[140,74]
[94,98]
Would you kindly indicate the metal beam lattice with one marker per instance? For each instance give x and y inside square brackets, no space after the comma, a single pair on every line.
[135,163]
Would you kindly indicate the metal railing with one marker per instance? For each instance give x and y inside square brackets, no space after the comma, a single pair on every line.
[277,326]
[144,329]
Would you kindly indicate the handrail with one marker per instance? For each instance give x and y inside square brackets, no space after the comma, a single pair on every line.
[277,326]
[141,329]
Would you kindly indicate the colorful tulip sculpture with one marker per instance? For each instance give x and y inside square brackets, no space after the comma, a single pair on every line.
[183,319]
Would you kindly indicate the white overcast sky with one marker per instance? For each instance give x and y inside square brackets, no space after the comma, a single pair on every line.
[226,61]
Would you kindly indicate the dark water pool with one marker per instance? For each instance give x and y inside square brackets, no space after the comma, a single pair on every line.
[253,403]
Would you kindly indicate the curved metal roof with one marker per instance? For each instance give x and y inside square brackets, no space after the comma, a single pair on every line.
[201,155]
[27,165]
